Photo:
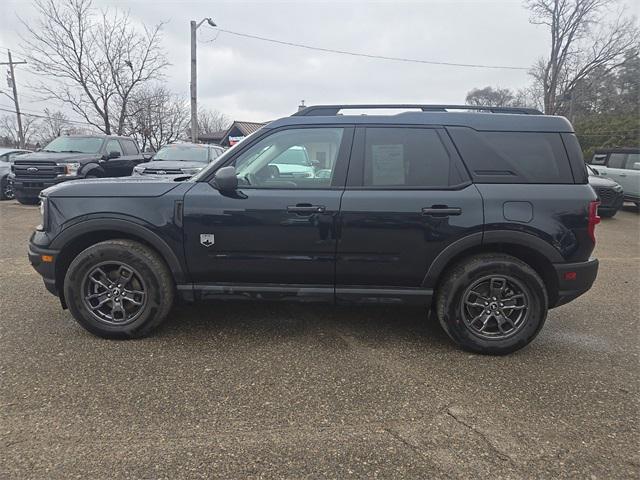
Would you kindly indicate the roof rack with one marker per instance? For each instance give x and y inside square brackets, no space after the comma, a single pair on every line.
[331,110]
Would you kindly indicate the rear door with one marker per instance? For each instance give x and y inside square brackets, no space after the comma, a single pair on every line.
[408,197]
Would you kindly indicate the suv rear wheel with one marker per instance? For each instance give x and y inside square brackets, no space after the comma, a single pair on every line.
[119,289]
[492,304]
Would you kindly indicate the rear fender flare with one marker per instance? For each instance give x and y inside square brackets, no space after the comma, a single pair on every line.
[484,241]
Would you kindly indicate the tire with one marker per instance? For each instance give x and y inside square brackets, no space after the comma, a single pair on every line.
[608,213]
[146,273]
[27,200]
[470,276]
[6,191]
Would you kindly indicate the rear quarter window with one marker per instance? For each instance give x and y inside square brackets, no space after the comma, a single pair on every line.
[513,157]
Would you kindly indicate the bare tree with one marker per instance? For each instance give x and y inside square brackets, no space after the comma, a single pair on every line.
[52,126]
[489,96]
[210,121]
[582,41]
[92,61]
[158,117]
[9,129]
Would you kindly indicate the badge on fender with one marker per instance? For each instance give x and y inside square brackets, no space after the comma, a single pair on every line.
[207,239]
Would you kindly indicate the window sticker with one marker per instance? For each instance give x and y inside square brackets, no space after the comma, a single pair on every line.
[388,164]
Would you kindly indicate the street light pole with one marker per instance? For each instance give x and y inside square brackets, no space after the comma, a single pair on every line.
[194,78]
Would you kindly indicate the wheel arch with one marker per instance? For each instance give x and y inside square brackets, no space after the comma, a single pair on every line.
[532,250]
[93,169]
[75,239]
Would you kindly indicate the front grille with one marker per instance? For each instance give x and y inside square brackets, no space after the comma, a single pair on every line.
[36,170]
[163,171]
[607,196]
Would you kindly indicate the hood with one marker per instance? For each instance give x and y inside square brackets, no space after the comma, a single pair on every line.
[57,157]
[599,181]
[171,164]
[112,187]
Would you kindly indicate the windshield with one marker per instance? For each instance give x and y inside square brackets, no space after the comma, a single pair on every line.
[183,153]
[75,145]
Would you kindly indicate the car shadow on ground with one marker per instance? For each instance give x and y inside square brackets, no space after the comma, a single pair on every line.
[369,324]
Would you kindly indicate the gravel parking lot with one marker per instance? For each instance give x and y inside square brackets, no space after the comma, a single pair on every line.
[248,390]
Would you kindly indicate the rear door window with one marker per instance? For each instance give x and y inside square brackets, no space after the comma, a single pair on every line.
[407,157]
[513,157]
[129,147]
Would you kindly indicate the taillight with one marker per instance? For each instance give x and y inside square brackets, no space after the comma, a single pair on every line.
[594,219]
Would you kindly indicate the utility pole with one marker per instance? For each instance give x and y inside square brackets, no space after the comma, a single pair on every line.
[194,77]
[12,83]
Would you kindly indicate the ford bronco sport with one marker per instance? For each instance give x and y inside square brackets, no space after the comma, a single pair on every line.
[484,217]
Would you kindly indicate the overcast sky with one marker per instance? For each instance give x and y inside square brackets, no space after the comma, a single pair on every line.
[253,80]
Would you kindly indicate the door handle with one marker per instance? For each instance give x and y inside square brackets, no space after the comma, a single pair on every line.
[623,174]
[306,209]
[441,211]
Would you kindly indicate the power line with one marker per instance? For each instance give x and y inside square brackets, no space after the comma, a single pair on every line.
[35,115]
[367,55]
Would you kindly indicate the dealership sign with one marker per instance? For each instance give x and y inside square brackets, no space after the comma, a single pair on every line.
[234,140]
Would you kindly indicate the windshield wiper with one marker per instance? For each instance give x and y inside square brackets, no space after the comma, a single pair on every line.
[70,151]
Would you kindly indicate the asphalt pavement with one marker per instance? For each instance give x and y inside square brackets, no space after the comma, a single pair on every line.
[251,390]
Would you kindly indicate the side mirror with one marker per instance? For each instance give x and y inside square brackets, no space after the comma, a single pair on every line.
[114,154]
[225,179]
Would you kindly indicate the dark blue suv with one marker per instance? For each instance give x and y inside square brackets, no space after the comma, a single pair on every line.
[484,217]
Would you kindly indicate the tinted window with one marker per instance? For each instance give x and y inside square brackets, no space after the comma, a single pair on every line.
[288,159]
[129,147]
[632,160]
[513,157]
[411,157]
[114,146]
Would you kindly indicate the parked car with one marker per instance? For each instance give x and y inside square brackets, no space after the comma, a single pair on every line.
[71,158]
[623,166]
[179,159]
[487,218]
[610,193]
[7,155]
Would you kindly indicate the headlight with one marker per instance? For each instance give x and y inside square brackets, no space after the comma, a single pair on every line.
[70,168]
[44,212]
[617,188]
[138,170]
[191,171]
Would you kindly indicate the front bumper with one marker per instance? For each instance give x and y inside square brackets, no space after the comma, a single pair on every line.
[574,279]
[47,269]
[31,187]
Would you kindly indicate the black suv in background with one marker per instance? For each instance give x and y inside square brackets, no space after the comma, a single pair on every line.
[70,158]
[487,218]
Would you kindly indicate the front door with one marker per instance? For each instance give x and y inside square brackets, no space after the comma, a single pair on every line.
[407,198]
[278,232]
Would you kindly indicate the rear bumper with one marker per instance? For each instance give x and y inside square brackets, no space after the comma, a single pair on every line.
[46,269]
[574,279]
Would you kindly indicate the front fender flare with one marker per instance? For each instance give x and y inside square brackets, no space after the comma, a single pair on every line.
[89,167]
[176,265]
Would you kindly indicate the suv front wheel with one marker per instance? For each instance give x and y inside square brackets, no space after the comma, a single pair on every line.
[119,289]
[492,304]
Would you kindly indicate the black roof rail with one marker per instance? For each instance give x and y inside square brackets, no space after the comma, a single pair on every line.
[331,110]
